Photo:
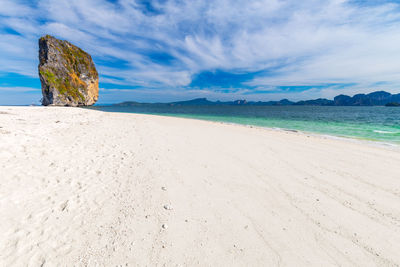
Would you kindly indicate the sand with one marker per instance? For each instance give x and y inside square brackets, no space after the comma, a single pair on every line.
[82,187]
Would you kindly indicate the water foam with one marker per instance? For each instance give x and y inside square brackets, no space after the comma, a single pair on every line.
[385,132]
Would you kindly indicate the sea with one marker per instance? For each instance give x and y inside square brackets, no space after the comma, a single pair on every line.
[372,123]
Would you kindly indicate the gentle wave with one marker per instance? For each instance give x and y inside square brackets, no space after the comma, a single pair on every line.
[385,132]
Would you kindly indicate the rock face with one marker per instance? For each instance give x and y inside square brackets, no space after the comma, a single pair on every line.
[67,74]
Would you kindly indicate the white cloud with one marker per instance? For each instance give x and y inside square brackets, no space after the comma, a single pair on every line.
[18,89]
[13,8]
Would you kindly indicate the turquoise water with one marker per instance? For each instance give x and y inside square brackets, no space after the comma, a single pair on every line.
[367,123]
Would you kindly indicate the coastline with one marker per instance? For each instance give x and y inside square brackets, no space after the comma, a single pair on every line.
[366,127]
[361,140]
[86,187]
[306,133]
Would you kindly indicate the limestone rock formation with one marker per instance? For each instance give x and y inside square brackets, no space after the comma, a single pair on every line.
[67,74]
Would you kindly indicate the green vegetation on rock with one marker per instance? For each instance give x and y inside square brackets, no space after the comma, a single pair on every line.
[77,59]
[49,75]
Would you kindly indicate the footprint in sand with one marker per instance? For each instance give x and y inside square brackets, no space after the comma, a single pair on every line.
[64,205]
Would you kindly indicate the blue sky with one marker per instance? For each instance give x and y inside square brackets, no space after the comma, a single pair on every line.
[167,50]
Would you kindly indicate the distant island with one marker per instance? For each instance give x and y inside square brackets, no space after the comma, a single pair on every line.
[393,104]
[378,98]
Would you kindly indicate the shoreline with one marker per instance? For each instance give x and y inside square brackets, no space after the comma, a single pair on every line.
[80,187]
[372,142]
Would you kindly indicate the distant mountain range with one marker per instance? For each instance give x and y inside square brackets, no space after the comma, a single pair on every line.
[378,98]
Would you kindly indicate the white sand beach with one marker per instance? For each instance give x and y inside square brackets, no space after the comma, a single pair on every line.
[81,187]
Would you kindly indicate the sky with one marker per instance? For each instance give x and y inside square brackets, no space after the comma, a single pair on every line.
[170,50]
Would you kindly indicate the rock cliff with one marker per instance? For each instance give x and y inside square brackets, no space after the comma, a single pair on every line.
[67,74]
